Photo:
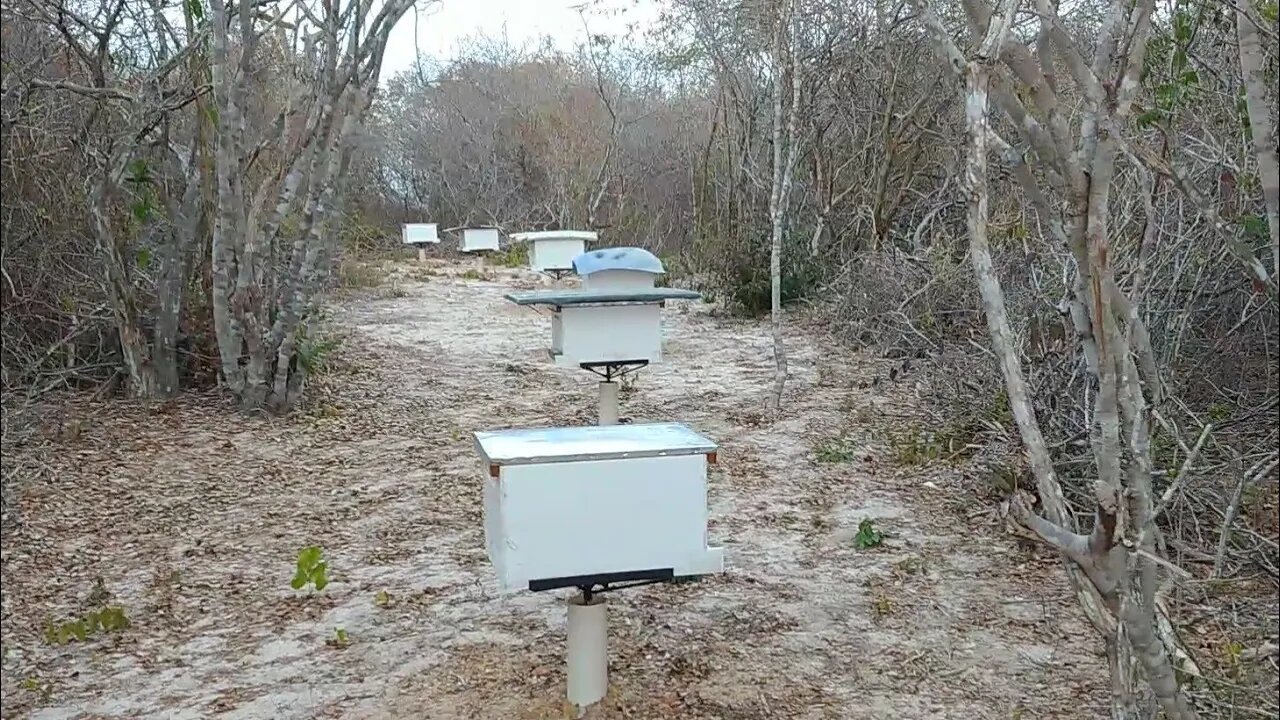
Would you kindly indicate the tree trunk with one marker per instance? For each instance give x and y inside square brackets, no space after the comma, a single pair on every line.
[778,199]
[1252,65]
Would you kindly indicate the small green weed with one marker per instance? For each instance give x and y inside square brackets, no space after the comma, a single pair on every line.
[882,606]
[834,450]
[34,684]
[868,537]
[1219,412]
[314,350]
[356,274]
[915,447]
[514,256]
[105,620]
[312,569]
[339,640]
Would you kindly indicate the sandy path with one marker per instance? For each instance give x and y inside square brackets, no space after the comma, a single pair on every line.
[193,517]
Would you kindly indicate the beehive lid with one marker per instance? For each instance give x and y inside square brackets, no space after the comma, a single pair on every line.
[621,258]
[574,296]
[528,446]
[582,235]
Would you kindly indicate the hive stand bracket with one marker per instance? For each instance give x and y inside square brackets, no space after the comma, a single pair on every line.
[595,584]
[614,369]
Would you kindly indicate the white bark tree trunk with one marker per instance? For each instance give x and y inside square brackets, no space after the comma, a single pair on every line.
[261,307]
[1115,557]
[783,170]
[1252,65]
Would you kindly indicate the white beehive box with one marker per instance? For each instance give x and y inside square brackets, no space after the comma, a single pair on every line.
[419,234]
[616,318]
[592,328]
[600,333]
[479,239]
[554,250]
[565,507]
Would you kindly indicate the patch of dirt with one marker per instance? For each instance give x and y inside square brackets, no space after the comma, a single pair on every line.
[192,516]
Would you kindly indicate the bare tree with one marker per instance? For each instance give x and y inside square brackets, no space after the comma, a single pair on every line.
[1113,567]
[1252,62]
[138,159]
[263,286]
[785,68]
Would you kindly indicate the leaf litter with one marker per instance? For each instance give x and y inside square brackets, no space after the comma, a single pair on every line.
[193,516]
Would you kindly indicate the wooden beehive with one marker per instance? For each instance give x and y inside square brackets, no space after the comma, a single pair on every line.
[554,250]
[593,328]
[419,234]
[565,507]
[478,239]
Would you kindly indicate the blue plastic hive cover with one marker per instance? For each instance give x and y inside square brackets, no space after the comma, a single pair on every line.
[621,258]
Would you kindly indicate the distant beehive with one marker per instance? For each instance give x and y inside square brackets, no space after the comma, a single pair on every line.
[419,233]
[554,250]
[477,239]
[615,318]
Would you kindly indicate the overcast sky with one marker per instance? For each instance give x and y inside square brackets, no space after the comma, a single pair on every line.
[442,25]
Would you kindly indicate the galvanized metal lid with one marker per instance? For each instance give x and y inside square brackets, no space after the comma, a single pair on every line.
[527,446]
[621,258]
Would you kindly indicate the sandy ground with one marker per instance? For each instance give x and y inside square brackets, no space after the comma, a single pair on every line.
[192,515]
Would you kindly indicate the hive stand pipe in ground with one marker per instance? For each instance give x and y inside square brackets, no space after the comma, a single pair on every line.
[608,403]
[588,651]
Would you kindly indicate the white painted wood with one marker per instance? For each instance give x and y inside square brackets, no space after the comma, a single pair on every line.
[554,249]
[562,519]
[477,239]
[419,233]
[554,254]
[616,332]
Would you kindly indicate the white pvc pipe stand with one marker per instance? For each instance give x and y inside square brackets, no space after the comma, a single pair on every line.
[588,652]
[422,253]
[608,403]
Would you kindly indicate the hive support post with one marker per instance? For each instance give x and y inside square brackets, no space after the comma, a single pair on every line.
[608,402]
[422,253]
[588,650]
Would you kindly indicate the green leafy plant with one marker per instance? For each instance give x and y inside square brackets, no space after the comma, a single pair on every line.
[105,620]
[834,450]
[916,447]
[33,683]
[868,537]
[339,640]
[315,348]
[515,255]
[882,606]
[382,599]
[312,569]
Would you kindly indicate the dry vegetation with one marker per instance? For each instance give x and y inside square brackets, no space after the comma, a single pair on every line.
[833,128]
